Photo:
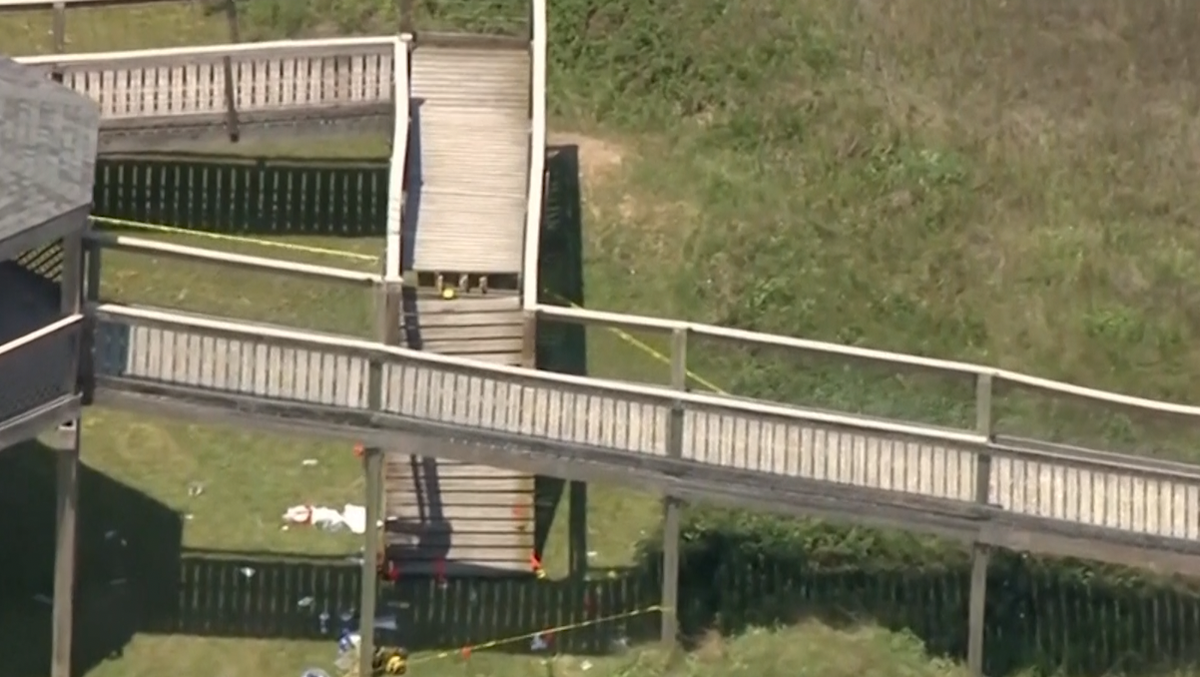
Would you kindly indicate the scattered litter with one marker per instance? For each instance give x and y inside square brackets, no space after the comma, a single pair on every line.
[308,462]
[314,672]
[323,619]
[305,602]
[189,517]
[284,528]
[585,666]
[620,644]
[247,572]
[592,554]
[351,517]
[349,641]
[43,599]
[538,643]
[386,623]
[195,489]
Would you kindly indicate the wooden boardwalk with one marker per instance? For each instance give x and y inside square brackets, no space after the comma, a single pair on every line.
[730,434]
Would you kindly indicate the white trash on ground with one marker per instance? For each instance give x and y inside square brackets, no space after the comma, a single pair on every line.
[351,517]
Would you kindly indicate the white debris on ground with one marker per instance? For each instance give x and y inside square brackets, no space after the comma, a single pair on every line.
[351,517]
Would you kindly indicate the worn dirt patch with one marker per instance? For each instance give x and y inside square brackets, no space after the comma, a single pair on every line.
[598,158]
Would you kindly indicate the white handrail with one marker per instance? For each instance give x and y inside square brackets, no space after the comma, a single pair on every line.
[661,395]
[530,285]
[586,316]
[155,247]
[882,357]
[45,331]
[205,50]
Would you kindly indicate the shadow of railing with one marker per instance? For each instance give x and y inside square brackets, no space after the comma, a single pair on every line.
[245,195]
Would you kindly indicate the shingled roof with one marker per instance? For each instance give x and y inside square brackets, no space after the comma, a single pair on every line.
[48,139]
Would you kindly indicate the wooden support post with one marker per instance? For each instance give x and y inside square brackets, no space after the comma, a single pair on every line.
[59,29]
[63,616]
[671,504]
[387,330]
[73,263]
[980,553]
[91,294]
[91,287]
[66,444]
[407,23]
[373,469]
[231,113]
[231,17]
[577,534]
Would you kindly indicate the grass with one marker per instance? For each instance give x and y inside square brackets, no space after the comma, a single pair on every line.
[1004,182]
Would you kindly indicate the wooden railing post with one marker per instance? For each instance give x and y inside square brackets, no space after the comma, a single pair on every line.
[671,504]
[980,552]
[231,113]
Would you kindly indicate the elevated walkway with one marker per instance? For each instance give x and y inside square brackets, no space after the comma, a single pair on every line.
[955,484]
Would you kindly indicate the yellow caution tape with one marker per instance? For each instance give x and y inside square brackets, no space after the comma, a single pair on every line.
[466,651]
[648,349]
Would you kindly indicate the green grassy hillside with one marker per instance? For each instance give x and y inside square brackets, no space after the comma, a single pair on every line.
[997,181]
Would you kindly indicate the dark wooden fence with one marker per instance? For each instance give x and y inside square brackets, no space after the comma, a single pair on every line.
[235,195]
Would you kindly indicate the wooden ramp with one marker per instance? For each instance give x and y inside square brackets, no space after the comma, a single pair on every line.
[448,517]
[467,182]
